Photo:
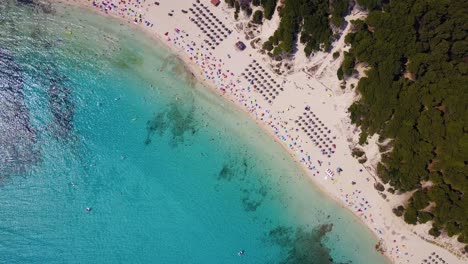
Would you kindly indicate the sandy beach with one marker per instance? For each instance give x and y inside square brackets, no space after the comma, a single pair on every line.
[304,109]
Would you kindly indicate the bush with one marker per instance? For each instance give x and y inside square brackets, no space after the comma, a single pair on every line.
[463,238]
[362,138]
[424,217]
[357,152]
[434,231]
[339,10]
[379,187]
[339,73]
[369,4]
[267,45]
[420,200]
[348,64]
[336,54]
[230,3]
[452,228]
[362,160]
[398,211]
[411,215]
[258,17]
[269,7]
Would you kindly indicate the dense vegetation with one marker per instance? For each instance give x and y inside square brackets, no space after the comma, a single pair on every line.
[257,17]
[339,9]
[268,7]
[416,94]
[309,21]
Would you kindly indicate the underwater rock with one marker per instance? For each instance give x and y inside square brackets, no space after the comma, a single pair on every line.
[301,245]
[177,122]
[17,136]
[62,108]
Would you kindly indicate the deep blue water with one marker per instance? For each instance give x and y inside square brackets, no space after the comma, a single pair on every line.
[94,114]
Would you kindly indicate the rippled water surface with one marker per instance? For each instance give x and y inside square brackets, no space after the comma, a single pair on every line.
[94,114]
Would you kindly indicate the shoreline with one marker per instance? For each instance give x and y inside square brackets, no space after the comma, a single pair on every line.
[261,119]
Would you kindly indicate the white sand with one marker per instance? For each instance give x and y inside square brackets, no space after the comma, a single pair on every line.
[319,89]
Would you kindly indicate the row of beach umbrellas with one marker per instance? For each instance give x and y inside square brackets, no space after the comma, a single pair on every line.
[262,81]
[316,131]
[213,28]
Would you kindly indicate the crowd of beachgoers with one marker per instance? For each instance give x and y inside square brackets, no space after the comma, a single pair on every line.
[245,79]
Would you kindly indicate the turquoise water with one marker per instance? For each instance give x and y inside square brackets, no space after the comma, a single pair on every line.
[94,114]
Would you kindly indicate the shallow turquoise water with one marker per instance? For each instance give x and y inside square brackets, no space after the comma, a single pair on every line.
[94,114]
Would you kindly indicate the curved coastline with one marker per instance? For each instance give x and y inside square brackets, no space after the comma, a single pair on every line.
[194,71]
